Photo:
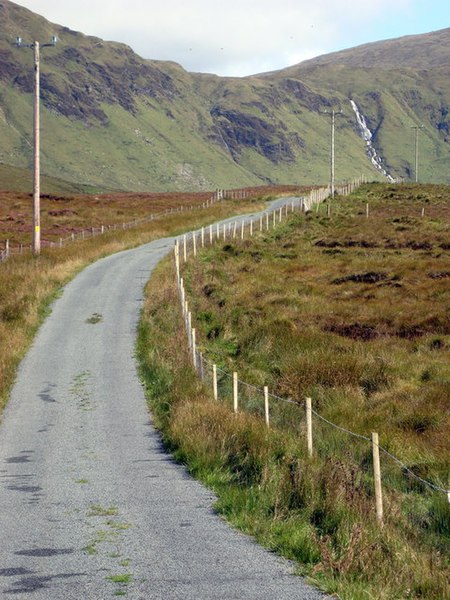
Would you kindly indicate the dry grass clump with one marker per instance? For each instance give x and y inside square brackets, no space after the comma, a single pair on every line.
[319,511]
[344,310]
[368,320]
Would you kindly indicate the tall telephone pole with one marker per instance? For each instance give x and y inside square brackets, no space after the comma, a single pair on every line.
[36,242]
[332,114]
[416,150]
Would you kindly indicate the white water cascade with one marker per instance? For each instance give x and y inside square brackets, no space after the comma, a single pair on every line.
[366,134]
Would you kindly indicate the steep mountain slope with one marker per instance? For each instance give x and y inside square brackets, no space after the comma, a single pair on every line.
[110,118]
[397,84]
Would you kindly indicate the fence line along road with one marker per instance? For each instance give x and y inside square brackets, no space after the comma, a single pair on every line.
[318,194]
[89,232]
[201,363]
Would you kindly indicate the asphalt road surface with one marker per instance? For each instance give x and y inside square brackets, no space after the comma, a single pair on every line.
[91,506]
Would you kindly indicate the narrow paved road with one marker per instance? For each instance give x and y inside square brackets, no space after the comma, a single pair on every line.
[91,507]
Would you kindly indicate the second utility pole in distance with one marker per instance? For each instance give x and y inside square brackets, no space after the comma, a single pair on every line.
[333,114]
[416,150]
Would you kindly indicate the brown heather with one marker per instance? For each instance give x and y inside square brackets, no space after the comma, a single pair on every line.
[351,312]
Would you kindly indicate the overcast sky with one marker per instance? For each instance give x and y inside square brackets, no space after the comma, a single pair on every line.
[243,37]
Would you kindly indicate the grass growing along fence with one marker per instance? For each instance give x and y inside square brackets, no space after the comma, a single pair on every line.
[321,513]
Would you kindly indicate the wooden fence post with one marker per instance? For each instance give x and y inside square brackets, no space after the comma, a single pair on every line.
[210,234]
[251,227]
[377,476]
[177,261]
[202,373]
[189,327]
[215,391]
[309,426]
[182,293]
[184,247]
[203,237]
[194,242]
[194,350]
[367,210]
[266,405]
[242,230]
[267,220]
[235,392]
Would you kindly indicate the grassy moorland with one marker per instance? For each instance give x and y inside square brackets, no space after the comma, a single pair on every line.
[64,213]
[28,284]
[355,313]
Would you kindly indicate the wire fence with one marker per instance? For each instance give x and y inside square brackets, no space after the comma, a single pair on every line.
[424,504]
[90,232]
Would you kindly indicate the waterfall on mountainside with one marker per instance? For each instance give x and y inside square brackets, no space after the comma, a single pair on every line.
[366,134]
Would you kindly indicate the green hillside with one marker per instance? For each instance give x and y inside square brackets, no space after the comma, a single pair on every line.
[397,84]
[112,119]
[18,179]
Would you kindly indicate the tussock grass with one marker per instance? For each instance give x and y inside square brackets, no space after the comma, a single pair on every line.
[367,319]
[373,356]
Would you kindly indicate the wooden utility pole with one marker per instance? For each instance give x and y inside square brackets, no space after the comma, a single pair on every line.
[416,151]
[36,221]
[333,114]
[36,161]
